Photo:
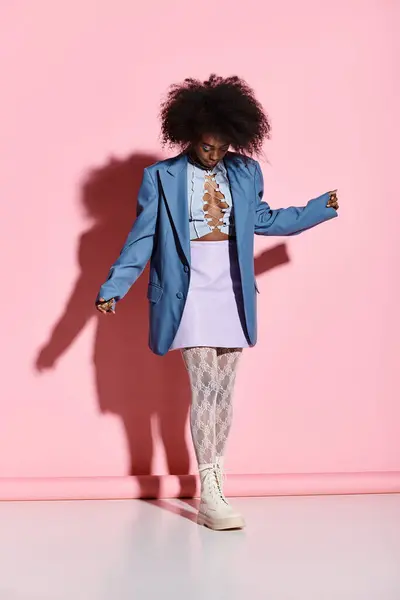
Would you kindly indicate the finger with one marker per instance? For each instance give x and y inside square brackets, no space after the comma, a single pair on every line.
[106,304]
[101,308]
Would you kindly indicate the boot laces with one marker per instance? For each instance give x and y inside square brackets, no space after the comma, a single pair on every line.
[214,485]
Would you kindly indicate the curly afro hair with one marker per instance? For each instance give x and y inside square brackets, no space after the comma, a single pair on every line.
[220,106]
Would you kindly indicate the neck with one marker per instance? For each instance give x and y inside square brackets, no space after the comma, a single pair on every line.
[192,157]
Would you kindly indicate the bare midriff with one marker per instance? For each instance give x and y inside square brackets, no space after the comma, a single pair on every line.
[213,236]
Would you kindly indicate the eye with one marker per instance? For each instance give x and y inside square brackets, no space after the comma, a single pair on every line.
[206,148]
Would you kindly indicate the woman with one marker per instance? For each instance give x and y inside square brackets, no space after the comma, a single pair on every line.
[196,219]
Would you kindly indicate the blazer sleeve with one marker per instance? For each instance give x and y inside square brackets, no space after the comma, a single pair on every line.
[288,221]
[138,247]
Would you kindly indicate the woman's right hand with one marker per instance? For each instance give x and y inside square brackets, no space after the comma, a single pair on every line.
[106,306]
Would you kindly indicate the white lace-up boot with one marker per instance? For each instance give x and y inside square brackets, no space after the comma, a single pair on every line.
[215,512]
[219,466]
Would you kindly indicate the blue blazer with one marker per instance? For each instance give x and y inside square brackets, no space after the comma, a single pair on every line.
[160,234]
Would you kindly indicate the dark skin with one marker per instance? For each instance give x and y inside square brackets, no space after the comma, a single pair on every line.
[209,151]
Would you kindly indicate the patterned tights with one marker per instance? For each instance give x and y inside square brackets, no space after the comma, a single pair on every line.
[212,373]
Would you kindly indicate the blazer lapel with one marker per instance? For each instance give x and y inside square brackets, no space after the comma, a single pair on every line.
[239,180]
[174,184]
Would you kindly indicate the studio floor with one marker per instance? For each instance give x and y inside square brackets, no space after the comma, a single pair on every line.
[294,548]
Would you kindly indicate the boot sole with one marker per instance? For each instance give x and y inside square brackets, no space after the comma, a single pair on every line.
[221,524]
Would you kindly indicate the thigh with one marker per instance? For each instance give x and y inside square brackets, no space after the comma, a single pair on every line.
[228,358]
[201,362]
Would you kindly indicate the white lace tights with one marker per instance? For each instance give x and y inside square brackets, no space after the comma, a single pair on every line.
[212,373]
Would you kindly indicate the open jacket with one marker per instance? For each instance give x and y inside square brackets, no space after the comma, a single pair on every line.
[160,234]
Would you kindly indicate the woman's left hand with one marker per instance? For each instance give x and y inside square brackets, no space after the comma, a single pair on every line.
[333,200]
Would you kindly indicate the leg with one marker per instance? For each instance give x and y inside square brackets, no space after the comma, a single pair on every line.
[201,364]
[228,359]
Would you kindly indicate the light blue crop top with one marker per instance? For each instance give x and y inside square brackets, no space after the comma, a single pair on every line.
[208,212]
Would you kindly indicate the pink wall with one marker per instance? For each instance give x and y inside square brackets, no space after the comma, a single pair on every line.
[81,84]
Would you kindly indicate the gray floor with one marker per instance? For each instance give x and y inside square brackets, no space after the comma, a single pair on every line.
[294,548]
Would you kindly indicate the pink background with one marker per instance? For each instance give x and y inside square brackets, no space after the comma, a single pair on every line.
[81,86]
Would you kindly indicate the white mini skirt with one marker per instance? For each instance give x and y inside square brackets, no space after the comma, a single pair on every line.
[213,315]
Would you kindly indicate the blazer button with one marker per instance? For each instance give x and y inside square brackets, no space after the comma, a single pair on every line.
[179,295]
[186,269]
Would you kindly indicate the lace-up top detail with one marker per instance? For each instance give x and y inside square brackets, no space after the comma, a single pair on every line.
[210,201]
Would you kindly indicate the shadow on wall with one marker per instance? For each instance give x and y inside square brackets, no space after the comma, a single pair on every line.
[131,382]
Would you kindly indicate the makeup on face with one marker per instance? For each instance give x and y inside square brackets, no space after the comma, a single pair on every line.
[210,150]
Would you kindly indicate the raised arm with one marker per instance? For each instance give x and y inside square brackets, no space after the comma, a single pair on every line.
[292,220]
